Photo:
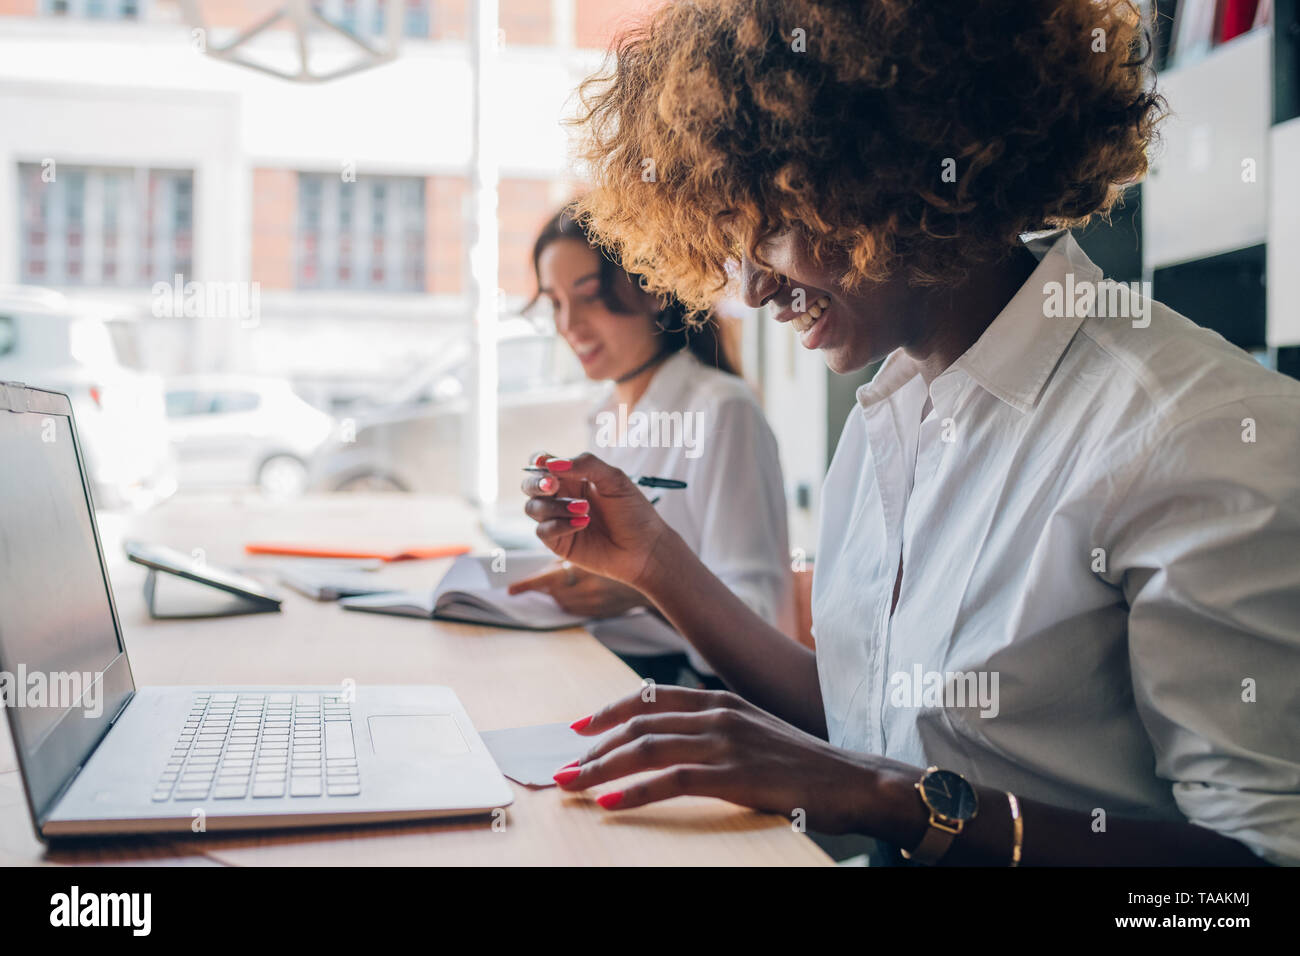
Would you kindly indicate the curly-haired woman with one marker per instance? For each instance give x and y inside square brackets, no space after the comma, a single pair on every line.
[1057,564]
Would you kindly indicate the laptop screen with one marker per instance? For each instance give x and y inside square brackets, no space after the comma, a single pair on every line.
[58,633]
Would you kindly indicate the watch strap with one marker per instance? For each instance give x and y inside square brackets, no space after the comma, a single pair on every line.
[932,847]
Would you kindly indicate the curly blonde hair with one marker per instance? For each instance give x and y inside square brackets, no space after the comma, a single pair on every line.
[921,135]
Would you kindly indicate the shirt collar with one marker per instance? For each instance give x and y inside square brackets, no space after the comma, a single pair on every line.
[665,389]
[1016,354]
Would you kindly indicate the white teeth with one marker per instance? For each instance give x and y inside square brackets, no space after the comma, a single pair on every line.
[803,321]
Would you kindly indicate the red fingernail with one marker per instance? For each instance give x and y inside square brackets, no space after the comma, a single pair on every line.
[539,460]
[581,723]
[564,776]
[548,484]
[558,464]
[580,522]
[579,507]
[610,800]
[571,763]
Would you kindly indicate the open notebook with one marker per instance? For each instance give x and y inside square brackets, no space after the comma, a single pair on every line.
[473,591]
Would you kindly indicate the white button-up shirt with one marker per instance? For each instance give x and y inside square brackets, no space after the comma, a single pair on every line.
[732,512]
[1099,527]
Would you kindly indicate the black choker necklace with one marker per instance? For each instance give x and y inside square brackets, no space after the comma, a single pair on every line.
[641,368]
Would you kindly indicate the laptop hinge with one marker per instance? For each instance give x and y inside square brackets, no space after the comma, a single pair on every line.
[13,396]
[72,777]
[67,785]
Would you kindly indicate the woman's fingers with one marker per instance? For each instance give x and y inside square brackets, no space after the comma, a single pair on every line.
[559,578]
[542,483]
[683,780]
[606,479]
[654,699]
[535,485]
[557,519]
[647,725]
[647,752]
[542,509]
[539,485]
[556,533]
[538,582]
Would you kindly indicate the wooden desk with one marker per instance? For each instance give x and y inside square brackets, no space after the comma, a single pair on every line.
[504,678]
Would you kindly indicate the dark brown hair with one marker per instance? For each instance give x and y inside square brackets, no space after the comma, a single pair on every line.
[700,335]
[920,137]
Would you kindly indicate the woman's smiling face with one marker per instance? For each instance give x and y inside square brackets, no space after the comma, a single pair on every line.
[607,343]
[852,330]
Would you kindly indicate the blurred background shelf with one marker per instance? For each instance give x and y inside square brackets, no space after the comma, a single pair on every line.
[1216,225]
[1206,193]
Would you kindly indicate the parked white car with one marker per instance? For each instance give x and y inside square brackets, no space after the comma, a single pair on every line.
[50,342]
[413,439]
[238,430]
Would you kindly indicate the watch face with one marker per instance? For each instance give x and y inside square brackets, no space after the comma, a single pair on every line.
[949,795]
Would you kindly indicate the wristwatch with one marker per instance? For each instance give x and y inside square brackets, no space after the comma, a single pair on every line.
[952,803]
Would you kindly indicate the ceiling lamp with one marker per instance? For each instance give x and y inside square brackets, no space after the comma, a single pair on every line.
[305,22]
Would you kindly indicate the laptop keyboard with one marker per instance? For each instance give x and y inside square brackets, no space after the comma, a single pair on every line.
[259,746]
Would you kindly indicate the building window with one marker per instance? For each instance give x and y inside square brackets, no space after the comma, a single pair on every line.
[370,17]
[366,235]
[93,9]
[100,226]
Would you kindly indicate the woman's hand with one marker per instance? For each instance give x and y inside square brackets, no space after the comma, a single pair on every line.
[715,744]
[583,593]
[592,515]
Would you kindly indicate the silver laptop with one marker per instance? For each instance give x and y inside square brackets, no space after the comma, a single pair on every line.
[99,755]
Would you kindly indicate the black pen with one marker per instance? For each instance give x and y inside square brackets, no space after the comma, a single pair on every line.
[645,481]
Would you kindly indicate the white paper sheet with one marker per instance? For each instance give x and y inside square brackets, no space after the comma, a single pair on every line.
[531,755]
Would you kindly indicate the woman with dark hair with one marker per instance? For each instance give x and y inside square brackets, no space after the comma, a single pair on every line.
[676,409]
[1056,598]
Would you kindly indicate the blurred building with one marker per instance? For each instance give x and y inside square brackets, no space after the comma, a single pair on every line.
[128,158]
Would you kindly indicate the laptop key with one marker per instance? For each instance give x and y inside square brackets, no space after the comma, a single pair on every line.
[305,787]
[338,741]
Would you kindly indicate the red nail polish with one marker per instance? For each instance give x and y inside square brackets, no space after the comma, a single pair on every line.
[580,522]
[581,723]
[579,507]
[540,460]
[548,484]
[564,776]
[571,763]
[610,800]
[559,464]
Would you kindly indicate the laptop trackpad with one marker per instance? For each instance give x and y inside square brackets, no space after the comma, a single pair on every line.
[416,735]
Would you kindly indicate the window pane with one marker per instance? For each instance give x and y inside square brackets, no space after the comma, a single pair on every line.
[367,235]
[229,403]
[81,225]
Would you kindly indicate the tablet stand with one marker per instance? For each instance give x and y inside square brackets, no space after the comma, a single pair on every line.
[169,595]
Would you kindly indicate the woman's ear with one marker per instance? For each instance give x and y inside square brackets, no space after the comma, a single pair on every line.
[637,299]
